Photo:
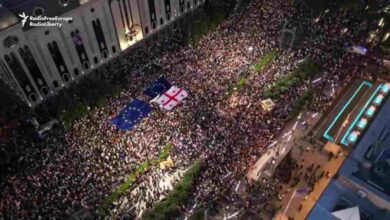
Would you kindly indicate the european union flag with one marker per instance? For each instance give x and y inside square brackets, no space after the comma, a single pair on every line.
[132,114]
[157,88]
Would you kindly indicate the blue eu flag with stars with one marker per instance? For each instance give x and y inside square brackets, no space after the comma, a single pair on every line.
[157,88]
[132,114]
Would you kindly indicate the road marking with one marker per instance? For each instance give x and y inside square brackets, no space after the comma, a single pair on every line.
[287,134]
[284,149]
[295,125]
[316,80]
[238,185]
[228,174]
[234,215]
[273,143]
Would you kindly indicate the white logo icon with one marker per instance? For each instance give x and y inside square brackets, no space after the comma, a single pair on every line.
[43,21]
[24,20]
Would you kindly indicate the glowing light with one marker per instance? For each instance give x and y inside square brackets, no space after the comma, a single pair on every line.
[317,80]
[295,125]
[274,143]
[333,90]
[381,22]
[378,100]
[362,123]
[287,134]
[353,137]
[370,112]
[83,2]
[386,37]
[371,36]
[386,88]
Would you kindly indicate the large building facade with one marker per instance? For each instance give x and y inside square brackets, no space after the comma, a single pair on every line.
[37,62]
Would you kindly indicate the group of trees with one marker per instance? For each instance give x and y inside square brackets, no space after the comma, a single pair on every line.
[302,102]
[128,183]
[257,68]
[75,101]
[265,60]
[303,72]
[170,207]
[207,20]
[93,96]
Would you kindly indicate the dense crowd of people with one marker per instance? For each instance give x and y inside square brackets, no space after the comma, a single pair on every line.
[85,163]
[152,187]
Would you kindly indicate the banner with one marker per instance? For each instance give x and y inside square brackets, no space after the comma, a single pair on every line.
[157,88]
[132,115]
[172,97]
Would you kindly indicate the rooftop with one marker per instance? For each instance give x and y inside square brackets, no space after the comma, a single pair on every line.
[337,197]
[369,163]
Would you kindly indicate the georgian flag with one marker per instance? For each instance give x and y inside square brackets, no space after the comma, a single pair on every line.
[171,98]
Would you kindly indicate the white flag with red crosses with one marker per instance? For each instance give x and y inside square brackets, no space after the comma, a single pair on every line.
[172,97]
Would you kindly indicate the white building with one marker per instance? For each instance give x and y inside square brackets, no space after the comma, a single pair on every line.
[36,62]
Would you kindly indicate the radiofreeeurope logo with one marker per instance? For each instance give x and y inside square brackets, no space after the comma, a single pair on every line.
[24,20]
[43,21]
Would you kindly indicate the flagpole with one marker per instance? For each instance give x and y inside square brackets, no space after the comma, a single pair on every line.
[289,202]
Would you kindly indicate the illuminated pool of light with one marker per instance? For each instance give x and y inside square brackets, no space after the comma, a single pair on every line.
[378,100]
[362,123]
[353,137]
[370,112]
[386,88]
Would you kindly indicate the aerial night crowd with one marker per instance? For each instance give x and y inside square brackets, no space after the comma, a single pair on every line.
[80,166]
